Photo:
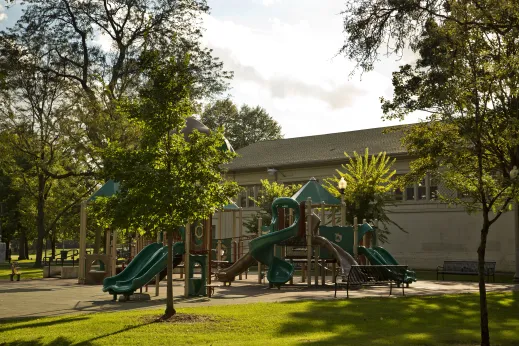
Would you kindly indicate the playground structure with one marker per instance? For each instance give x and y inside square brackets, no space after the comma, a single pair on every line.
[295,238]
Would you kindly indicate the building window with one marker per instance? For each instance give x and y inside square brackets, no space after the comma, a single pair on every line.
[251,196]
[398,193]
[422,189]
[242,199]
[433,189]
[425,189]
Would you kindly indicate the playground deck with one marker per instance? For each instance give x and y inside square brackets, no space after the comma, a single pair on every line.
[53,297]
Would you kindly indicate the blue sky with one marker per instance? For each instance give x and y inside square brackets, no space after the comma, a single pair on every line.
[283,54]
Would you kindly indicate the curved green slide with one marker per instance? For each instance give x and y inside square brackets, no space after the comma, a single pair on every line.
[262,248]
[376,259]
[143,268]
[389,259]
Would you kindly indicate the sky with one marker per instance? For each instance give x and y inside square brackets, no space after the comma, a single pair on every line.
[284,57]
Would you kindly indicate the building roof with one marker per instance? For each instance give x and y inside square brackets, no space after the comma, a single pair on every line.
[316,192]
[304,151]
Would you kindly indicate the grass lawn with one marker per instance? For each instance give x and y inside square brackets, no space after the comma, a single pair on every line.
[439,320]
[26,268]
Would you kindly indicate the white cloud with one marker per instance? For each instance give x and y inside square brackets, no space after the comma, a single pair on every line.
[288,66]
[3,15]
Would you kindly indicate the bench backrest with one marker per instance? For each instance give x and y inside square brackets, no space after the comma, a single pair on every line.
[467,266]
[376,273]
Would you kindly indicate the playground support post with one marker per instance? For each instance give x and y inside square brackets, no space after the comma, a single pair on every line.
[516,226]
[309,240]
[208,238]
[219,242]
[343,211]
[157,277]
[187,245]
[318,251]
[240,241]
[260,224]
[114,252]
[82,242]
[374,240]
[355,238]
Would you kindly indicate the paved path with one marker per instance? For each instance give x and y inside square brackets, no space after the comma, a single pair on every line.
[52,297]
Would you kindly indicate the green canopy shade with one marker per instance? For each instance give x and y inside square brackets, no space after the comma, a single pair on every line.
[315,191]
[231,206]
[110,188]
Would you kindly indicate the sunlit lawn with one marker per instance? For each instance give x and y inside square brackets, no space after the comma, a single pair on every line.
[439,320]
[26,267]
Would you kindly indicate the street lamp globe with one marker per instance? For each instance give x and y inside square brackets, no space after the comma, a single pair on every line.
[342,185]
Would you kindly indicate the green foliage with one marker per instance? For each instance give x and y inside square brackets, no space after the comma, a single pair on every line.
[268,193]
[369,188]
[241,127]
[167,180]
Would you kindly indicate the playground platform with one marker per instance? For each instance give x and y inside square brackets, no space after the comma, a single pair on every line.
[54,297]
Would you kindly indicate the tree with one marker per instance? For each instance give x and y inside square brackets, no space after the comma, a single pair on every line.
[466,79]
[268,193]
[370,187]
[386,27]
[169,179]
[68,33]
[243,127]
[46,141]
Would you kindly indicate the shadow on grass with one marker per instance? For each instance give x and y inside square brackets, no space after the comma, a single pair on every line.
[59,341]
[20,324]
[406,320]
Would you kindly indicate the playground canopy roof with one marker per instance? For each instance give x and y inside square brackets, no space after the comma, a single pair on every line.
[231,206]
[315,191]
[109,188]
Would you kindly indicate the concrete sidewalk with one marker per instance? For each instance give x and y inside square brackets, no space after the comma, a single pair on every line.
[53,297]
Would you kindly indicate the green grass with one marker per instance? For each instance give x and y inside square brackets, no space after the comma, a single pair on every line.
[439,320]
[26,268]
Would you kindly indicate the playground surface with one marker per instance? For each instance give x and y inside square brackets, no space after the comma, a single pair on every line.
[55,297]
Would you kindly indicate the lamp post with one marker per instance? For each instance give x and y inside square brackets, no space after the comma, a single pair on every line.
[342,186]
[513,176]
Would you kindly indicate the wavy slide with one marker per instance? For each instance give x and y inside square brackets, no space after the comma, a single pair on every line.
[262,249]
[152,260]
[376,259]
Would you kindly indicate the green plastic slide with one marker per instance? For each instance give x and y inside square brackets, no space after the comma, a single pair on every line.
[376,259]
[389,259]
[262,248]
[142,269]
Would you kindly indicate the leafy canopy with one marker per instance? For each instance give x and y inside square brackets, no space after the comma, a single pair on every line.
[167,180]
[241,127]
[369,188]
[268,193]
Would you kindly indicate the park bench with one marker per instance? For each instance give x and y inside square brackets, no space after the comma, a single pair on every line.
[466,268]
[211,287]
[373,275]
[15,270]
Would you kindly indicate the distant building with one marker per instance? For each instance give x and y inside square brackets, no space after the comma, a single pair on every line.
[435,231]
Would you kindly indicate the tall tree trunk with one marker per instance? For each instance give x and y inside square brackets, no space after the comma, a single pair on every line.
[26,246]
[22,250]
[40,220]
[53,244]
[170,310]
[485,334]
[7,249]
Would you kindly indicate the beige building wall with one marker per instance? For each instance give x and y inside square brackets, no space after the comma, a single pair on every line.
[435,231]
